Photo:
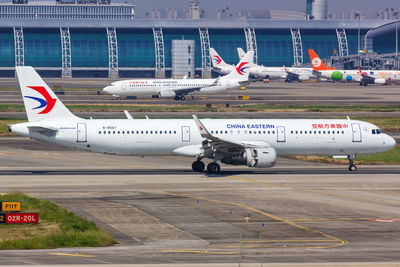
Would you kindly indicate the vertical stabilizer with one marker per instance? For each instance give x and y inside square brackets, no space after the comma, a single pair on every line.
[316,62]
[241,72]
[217,60]
[241,54]
[40,101]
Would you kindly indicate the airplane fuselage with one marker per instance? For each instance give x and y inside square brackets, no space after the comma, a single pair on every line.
[181,137]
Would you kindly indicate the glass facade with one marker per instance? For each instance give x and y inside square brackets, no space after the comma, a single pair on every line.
[386,43]
[274,48]
[135,48]
[67,11]
[89,48]
[225,43]
[42,47]
[7,57]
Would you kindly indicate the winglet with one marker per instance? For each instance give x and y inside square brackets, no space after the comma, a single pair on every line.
[203,131]
[128,115]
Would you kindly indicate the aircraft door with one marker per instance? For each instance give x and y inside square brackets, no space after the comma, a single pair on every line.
[123,86]
[281,135]
[356,132]
[185,134]
[81,132]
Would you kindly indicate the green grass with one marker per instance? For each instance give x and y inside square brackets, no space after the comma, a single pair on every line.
[388,157]
[57,227]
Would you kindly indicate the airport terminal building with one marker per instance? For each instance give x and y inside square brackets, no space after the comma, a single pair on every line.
[106,40]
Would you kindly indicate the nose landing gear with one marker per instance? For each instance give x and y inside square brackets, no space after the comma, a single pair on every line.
[352,166]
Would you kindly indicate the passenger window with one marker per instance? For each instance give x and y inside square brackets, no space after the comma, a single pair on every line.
[174,132]
[226,132]
[170,132]
[249,132]
[342,132]
[329,132]
[147,132]
[151,132]
[212,132]
[165,132]
[273,132]
[104,132]
[310,132]
[324,132]
[301,132]
[269,132]
[109,132]
[315,132]
[141,132]
[123,132]
[259,132]
[296,132]
[99,132]
[118,132]
[337,132]
[263,132]
[319,132]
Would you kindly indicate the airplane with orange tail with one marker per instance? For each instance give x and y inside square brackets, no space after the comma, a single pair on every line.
[362,77]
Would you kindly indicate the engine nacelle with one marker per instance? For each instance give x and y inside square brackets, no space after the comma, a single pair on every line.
[380,81]
[263,157]
[304,77]
[167,93]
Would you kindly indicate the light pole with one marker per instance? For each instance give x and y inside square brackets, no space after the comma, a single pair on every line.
[358,15]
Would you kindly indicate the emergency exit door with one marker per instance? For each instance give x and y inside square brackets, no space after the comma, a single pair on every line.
[356,132]
[281,135]
[185,134]
[81,135]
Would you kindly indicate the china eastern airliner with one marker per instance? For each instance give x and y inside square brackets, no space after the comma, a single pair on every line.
[250,142]
[288,74]
[178,88]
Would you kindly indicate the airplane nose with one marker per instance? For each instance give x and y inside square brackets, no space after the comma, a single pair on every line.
[391,142]
[107,89]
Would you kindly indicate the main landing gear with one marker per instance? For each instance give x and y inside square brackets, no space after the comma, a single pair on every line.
[180,97]
[198,166]
[352,166]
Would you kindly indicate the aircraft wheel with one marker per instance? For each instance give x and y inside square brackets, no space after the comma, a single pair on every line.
[177,97]
[182,97]
[352,168]
[213,168]
[198,166]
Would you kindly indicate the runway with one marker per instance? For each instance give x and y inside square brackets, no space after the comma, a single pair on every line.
[161,212]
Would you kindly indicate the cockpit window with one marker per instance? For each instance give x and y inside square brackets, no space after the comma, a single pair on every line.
[376,131]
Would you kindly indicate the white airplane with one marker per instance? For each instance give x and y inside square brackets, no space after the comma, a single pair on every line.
[288,74]
[249,142]
[178,88]
[362,77]
[272,73]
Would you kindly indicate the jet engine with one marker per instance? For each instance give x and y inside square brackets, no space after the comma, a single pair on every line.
[304,77]
[167,93]
[380,81]
[263,157]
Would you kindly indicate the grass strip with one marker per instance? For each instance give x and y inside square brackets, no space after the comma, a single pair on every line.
[57,227]
[388,157]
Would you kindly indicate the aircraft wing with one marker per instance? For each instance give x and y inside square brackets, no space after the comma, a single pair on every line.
[317,73]
[292,76]
[214,144]
[194,89]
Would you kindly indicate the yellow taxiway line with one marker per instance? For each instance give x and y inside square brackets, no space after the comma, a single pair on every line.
[72,255]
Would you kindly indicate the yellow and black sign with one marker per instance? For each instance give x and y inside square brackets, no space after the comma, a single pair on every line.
[10,206]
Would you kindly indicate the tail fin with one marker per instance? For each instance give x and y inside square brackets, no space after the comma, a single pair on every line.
[241,72]
[40,101]
[316,62]
[240,52]
[216,60]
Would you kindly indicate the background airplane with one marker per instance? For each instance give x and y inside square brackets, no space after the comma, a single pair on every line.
[249,142]
[178,88]
[288,74]
[362,77]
